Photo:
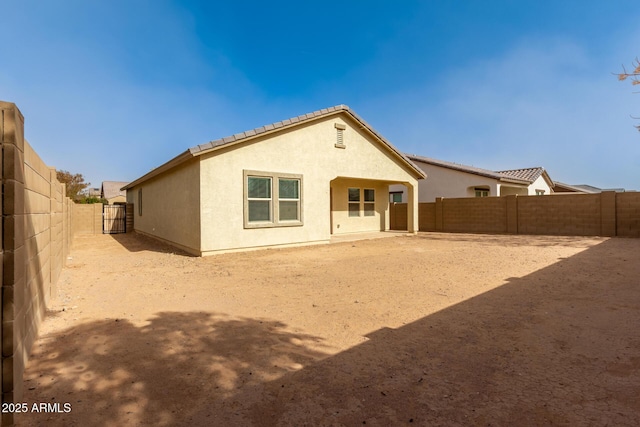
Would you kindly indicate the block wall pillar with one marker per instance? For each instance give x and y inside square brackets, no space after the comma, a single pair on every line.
[608,213]
[512,214]
[439,214]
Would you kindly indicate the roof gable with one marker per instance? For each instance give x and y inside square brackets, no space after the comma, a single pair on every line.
[528,174]
[198,149]
[245,137]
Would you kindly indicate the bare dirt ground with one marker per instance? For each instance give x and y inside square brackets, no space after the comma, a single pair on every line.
[434,329]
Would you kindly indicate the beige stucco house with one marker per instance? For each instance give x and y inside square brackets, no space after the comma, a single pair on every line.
[453,180]
[298,181]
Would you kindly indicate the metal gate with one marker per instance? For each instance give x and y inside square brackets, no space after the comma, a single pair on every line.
[114,219]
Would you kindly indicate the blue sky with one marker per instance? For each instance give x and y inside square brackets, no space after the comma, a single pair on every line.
[115,88]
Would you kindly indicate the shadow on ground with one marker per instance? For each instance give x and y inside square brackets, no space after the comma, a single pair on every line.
[134,242]
[545,349]
[115,373]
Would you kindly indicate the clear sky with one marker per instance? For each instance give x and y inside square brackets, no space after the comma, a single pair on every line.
[112,89]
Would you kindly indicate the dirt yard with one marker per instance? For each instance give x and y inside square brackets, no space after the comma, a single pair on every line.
[434,329]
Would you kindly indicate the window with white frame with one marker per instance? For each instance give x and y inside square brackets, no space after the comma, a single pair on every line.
[362,202]
[395,196]
[482,192]
[539,192]
[354,202]
[369,202]
[259,199]
[272,199]
[288,199]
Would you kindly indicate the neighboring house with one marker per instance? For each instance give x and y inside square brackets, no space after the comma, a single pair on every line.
[539,182]
[111,191]
[293,182]
[582,188]
[561,187]
[93,192]
[447,179]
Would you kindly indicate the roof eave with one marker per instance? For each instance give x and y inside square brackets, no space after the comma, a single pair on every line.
[418,173]
[179,159]
[515,181]
[454,167]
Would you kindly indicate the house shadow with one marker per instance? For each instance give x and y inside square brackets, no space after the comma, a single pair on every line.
[557,347]
[135,242]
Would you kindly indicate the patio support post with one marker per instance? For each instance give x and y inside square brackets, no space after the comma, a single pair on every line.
[412,208]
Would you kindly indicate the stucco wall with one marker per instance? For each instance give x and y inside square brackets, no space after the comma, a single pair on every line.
[170,207]
[445,182]
[343,223]
[117,199]
[507,190]
[308,150]
[539,184]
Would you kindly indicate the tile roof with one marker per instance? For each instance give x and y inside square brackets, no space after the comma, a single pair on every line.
[292,122]
[591,189]
[529,174]
[469,169]
[561,187]
[111,189]
[273,126]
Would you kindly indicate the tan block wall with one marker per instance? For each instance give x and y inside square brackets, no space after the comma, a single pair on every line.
[398,216]
[572,214]
[603,214]
[87,219]
[36,218]
[427,216]
[628,214]
[475,215]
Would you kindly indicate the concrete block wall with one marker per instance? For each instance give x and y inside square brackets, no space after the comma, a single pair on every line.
[427,216]
[475,215]
[397,216]
[87,219]
[130,217]
[13,252]
[628,214]
[36,218]
[604,214]
[571,214]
